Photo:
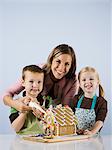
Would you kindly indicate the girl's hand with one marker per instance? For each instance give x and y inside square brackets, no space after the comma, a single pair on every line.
[88,132]
[80,132]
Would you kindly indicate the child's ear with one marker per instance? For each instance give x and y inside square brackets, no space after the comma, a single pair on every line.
[79,84]
[98,82]
[23,83]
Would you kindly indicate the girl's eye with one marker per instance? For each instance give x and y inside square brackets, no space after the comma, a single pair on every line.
[83,79]
[31,81]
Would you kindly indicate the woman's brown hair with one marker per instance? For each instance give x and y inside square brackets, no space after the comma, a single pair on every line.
[62,49]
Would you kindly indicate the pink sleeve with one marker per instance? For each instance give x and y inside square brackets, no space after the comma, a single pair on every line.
[14,89]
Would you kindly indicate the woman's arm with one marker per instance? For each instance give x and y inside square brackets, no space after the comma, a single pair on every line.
[73,90]
[18,123]
[11,91]
[14,89]
[18,103]
[97,126]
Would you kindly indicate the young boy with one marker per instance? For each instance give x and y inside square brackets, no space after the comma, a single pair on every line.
[26,122]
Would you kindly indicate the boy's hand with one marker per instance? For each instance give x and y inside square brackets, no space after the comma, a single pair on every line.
[26,100]
[37,106]
[38,113]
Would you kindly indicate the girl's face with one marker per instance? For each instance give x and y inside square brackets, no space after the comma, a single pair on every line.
[33,83]
[61,65]
[89,83]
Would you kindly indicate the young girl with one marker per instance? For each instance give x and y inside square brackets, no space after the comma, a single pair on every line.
[89,108]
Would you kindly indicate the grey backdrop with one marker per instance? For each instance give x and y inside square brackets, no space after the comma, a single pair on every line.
[29,29]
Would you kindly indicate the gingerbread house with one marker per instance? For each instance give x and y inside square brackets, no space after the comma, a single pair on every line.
[59,121]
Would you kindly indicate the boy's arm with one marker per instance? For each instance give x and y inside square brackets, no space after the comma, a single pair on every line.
[97,126]
[18,123]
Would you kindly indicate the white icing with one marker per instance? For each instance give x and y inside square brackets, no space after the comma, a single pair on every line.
[37,106]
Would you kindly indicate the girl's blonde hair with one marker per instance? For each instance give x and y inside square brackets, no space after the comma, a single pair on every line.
[90,69]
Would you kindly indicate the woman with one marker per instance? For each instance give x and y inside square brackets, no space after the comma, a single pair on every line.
[59,83]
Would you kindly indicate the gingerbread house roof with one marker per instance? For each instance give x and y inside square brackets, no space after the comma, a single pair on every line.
[64,115]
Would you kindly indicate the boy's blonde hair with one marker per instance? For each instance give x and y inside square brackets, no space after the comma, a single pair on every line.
[90,69]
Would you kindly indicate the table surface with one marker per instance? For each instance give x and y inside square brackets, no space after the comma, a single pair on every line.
[13,142]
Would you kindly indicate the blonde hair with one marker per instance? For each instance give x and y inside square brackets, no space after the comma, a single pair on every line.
[90,69]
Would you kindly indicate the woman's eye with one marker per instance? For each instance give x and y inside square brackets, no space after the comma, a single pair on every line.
[58,61]
[67,64]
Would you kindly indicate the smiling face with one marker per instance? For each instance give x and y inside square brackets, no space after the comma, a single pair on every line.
[89,83]
[61,65]
[33,83]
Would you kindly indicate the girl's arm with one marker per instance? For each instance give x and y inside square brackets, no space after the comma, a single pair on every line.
[97,126]
[100,117]
[18,123]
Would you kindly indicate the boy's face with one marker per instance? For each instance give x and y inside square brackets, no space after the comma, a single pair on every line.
[33,83]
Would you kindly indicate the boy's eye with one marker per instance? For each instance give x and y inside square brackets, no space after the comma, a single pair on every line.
[39,82]
[91,79]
